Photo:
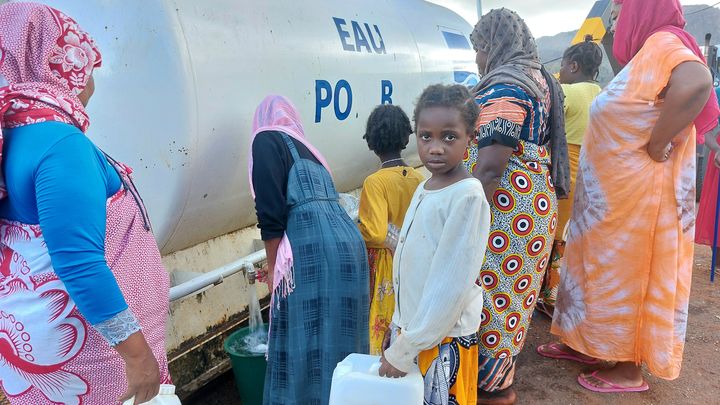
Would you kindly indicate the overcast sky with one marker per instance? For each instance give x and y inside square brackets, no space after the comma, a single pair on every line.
[545,17]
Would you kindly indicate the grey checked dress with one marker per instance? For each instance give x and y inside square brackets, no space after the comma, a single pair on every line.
[326,317]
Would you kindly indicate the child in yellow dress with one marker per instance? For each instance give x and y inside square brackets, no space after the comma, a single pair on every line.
[578,76]
[385,197]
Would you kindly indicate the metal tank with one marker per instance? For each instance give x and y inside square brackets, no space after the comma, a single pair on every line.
[175,98]
[180,81]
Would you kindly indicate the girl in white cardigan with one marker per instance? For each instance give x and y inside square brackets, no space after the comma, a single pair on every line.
[438,302]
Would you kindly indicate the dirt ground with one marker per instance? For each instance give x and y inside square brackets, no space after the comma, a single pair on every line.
[545,381]
[541,380]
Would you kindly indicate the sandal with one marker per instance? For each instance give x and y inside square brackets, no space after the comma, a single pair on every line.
[552,351]
[612,387]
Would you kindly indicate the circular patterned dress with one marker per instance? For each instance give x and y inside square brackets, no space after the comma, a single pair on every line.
[522,228]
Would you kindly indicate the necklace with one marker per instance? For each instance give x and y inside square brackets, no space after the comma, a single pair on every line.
[382,164]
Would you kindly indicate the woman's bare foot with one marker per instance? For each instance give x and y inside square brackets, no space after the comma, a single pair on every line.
[623,374]
[559,350]
[569,350]
[502,397]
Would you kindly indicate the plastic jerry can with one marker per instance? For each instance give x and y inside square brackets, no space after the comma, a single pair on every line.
[356,381]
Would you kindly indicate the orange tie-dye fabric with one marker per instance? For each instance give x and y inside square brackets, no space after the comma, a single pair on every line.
[626,279]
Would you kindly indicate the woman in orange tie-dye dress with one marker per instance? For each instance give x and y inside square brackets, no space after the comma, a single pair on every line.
[625,285]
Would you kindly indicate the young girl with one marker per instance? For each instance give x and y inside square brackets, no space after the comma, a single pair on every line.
[578,76]
[438,302]
[385,198]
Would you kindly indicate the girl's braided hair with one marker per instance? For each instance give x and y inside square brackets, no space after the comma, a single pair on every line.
[588,56]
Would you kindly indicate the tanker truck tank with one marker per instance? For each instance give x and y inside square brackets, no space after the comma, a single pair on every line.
[175,99]
[181,79]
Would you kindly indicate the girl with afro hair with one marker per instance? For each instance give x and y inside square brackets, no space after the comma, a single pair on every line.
[385,197]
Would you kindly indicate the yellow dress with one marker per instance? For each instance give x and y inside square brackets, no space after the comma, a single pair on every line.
[578,99]
[459,361]
[384,200]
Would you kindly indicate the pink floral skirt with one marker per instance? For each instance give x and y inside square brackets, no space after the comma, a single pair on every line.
[49,353]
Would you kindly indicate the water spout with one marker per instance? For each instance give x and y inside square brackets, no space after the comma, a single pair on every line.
[251,276]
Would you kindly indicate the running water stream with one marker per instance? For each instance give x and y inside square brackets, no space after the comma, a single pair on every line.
[256,340]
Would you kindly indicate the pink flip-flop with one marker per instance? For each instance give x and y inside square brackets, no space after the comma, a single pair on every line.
[612,386]
[561,355]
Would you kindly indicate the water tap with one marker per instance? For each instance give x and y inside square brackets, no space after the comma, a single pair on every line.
[251,275]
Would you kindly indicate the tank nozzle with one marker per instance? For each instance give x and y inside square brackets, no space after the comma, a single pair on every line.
[251,275]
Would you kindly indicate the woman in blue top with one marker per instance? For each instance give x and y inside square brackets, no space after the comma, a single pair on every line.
[83,294]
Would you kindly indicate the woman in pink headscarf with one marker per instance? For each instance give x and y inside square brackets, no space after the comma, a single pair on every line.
[625,286]
[316,257]
[83,293]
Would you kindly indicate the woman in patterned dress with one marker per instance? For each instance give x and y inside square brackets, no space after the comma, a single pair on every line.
[519,104]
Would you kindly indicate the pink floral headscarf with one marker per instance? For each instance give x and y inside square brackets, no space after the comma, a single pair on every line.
[46,60]
[277,113]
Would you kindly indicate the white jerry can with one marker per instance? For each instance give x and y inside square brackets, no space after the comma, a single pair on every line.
[356,381]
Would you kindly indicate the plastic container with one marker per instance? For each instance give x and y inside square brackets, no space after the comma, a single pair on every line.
[350,204]
[392,237]
[356,382]
[166,396]
[248,368]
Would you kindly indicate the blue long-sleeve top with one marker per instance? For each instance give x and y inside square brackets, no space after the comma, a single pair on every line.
[57,178]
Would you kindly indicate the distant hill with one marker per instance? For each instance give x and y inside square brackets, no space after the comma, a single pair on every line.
[698,24]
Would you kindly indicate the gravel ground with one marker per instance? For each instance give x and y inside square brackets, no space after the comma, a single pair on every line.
[545,381]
